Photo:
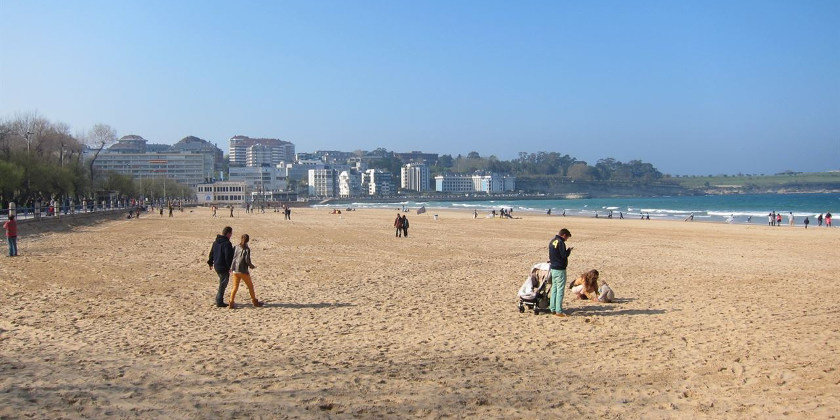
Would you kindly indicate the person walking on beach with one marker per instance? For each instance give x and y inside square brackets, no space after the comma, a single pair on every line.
[287,212]
[398,225]
[806,221]
[240,266]
[11,235]
[221,258]
[827,219]
[819,219]
[558,257]
[475,214]
[231,210]
[778,219]
[790,218]
[770,219]
[405,226]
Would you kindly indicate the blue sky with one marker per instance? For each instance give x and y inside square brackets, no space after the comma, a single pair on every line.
[692,87]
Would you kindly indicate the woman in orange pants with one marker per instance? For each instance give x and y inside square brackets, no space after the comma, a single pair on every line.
[240,266]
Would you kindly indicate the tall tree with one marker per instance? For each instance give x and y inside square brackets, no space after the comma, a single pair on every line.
[100,136]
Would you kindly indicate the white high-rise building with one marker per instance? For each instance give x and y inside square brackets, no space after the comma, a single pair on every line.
[477,182]
[414,176]
[378,182]
[258,155]
[278,151]
[323,182]
[260,178]
[349,184]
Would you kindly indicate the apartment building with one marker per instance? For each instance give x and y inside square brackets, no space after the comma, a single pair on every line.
[277,151]
[323,182]
[221,193]
[349,184]
[487,182]
[133,156]
[414,176]
[259,178]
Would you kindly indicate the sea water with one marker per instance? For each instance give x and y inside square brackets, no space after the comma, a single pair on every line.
[740,208]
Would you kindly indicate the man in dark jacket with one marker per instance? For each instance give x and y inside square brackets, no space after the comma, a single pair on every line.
[221,257]
[558,256]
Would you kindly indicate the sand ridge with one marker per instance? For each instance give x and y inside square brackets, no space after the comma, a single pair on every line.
[713,320]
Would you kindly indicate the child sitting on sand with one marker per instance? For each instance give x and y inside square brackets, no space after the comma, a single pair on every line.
[586,286]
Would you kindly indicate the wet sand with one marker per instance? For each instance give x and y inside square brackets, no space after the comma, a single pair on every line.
[713,320]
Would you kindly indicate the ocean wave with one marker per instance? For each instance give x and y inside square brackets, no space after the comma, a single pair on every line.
[671,211]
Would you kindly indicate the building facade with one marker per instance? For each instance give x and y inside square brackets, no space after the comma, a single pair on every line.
[349,184]
[278,151]
[259,178]
[455,183]
[414,176]
[323,182]
[486,182]
[377,182]
[221,193]
[133,156]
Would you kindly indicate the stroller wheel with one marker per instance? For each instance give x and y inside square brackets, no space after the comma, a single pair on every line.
[536,310]
[521,308]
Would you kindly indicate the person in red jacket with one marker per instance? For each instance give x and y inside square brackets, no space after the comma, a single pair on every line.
[11,235]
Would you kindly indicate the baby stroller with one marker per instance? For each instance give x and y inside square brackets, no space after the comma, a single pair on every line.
[534,293]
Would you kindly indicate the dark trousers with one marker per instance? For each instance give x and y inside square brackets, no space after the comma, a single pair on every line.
[405,232]
[224,277]
[399,232]
[12,245]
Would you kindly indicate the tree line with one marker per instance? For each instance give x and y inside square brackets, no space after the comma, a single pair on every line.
[41,160]
[550,164]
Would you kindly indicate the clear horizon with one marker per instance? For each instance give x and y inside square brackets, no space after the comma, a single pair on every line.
[693,88]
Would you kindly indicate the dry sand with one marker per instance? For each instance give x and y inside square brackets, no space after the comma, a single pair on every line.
[714,320]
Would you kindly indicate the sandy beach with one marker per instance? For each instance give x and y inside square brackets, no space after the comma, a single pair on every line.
[713,320]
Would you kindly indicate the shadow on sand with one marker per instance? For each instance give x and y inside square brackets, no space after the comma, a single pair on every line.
[611,310]
[322,305]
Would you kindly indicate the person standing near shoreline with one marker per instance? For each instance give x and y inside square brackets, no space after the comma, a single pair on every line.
[11,235]
[221,258]
[790,218]
[558,257]
[819,220]
[827,219]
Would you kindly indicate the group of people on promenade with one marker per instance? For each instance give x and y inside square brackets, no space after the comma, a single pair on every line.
[401,224]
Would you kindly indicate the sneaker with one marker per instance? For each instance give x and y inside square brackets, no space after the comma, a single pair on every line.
[258,304]
[221,305]
[561,314]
